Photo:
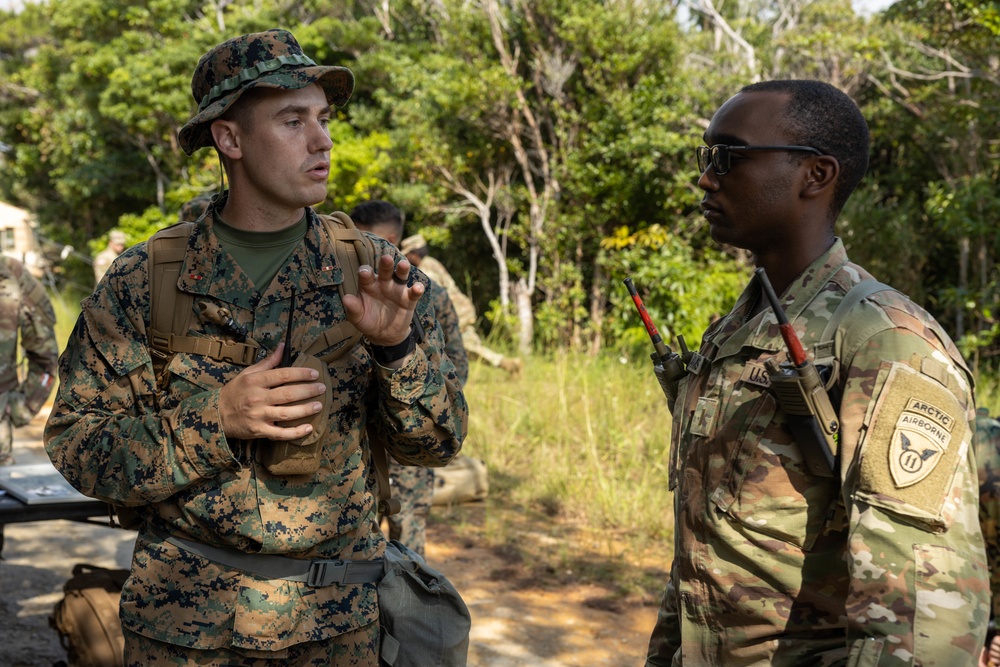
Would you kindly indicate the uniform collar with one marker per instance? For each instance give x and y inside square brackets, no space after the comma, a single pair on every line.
[208,271]
[762,332]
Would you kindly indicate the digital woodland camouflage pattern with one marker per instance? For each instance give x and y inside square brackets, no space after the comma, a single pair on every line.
[24,308]
[988,459]
[447,317]
[775,566]
[194,208]
[351,649]
[116,437]
[413,486]
[269,59]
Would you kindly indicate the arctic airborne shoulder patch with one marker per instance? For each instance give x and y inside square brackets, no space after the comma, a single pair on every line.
[919,442]
[913,443]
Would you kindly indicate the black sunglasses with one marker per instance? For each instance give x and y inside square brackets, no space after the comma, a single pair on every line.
[718,155]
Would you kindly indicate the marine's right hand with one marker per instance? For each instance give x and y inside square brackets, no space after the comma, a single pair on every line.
[262,394]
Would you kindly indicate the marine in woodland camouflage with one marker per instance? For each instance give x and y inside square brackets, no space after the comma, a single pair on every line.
[194,208]
[25,309]
[118,436]
[988,459]
[413,486]
[884,564]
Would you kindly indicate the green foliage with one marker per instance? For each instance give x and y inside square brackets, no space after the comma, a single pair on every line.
[92,95]
[358,164]
[682,290]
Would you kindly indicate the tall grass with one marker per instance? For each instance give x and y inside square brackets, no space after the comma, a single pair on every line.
[582,439]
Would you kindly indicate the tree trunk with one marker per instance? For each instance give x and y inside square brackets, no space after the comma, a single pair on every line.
[963,285]
[522,300]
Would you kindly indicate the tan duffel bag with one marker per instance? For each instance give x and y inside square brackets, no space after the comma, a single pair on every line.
[463,480]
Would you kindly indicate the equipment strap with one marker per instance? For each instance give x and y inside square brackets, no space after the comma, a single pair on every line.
[854,296]
[316,573]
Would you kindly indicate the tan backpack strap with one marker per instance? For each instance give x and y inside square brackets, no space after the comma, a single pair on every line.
[170,310]
[352,249]
[387,505]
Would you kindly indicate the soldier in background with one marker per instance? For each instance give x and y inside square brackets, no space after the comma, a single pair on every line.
[988,459]
[24,308]
[413,486]
[102,262]
[416,250]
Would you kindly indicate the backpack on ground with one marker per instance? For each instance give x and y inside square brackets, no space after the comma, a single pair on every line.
[461,481]
[86,618]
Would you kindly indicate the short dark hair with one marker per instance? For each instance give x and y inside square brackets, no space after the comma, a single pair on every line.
[241,112]
[377,212]
[820,115]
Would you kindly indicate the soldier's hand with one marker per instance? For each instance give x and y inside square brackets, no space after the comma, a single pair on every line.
[993,653]
[384,307]
[262,394]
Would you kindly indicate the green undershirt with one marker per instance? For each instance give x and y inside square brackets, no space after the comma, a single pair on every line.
[260,254]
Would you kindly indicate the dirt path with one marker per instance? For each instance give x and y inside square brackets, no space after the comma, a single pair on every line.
[536,614]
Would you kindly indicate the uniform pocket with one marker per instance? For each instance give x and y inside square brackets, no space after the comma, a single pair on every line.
[766,486]
[866,652]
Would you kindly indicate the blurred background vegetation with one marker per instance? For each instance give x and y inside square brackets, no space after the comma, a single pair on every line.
[546,150]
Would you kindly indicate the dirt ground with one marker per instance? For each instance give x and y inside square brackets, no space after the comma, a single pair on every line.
[544,613]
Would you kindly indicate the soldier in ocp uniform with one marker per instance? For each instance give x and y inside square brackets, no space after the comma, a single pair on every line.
[25,310]
[413,485]
[876,556]
[248,553]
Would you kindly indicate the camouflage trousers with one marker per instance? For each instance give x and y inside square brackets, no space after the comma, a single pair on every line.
[357,648]
[6,441]
[412,486]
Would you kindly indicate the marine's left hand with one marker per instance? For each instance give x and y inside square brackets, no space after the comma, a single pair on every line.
[384,307]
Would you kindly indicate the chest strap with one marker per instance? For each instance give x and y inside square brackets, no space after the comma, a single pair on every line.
[314,573]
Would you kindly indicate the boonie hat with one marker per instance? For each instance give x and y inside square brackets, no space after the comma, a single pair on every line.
[116,236]
[269,59]
[411,243]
